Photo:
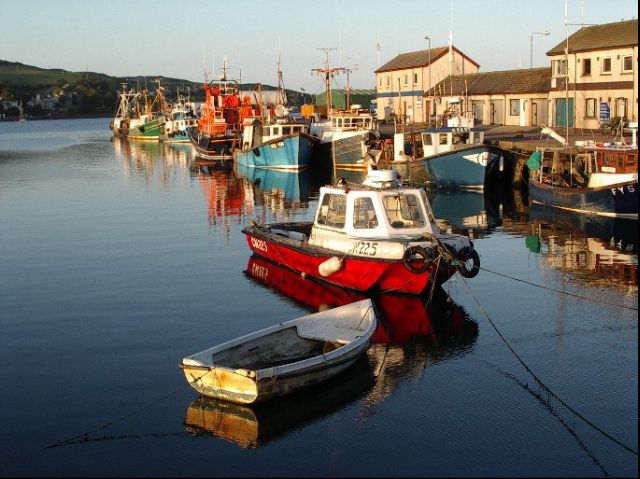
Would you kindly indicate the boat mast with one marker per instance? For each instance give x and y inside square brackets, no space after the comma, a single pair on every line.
[328,72]
[281,98]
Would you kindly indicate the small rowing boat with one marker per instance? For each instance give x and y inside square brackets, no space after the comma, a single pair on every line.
[285,357]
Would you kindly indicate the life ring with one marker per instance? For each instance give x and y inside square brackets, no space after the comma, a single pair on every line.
[470,262]
[426,254]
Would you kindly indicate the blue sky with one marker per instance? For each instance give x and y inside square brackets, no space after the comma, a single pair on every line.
[174,38]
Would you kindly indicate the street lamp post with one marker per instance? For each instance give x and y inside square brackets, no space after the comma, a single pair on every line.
[428,38]
[545,33]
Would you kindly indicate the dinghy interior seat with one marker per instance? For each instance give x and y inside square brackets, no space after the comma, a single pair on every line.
[328,333]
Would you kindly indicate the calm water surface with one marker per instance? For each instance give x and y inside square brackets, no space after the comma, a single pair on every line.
[120,258]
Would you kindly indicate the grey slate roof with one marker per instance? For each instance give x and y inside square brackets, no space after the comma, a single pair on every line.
[598,37]
[416,59]
[530,80]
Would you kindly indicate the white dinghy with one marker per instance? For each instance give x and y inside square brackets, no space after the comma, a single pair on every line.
[285,357]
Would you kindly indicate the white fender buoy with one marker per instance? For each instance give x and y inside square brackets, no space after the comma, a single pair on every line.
[330,266]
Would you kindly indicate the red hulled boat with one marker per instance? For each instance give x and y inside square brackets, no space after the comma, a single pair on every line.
[376,237]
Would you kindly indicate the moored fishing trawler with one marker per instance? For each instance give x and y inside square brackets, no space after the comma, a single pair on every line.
[156,113]
[453,153]
[378,236]
[181,117]
[273,140]
[127,111]
[219,126]
[603,180]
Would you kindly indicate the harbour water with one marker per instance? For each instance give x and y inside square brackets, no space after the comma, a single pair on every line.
[119,258]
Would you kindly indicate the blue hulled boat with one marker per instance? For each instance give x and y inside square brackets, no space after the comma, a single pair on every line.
[603,181]
[281,145]
[453,157]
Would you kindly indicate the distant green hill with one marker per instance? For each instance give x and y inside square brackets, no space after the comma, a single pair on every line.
[96,92]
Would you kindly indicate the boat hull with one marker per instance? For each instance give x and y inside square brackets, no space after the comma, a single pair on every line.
[219,147]
[149,131]
[618,200]
[283,358]
[471,168]
[285,153]
[348,152]
[358,273]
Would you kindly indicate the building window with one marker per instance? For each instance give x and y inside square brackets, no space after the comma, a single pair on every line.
[415,78]
[586,66]
[514,107]
[590,108]
[388,80]
[380,82]
[606,66]
[406,79]
[559,68]
[627,64]
[620,107]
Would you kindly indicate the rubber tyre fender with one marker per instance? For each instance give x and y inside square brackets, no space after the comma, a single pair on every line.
[469,270]
[425,253]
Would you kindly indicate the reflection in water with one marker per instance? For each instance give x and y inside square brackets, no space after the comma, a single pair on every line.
[255,425]
[140,155]
[413,331]
[601,250]
[282,194]
[226,195]
[471,213]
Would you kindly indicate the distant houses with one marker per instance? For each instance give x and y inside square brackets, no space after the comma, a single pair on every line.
[595,81]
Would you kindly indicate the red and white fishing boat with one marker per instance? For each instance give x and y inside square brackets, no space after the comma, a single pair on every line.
[376,237]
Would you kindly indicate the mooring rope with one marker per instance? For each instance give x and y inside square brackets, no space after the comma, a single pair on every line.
[542,384]
[592,300]
[85,435]
[547,404]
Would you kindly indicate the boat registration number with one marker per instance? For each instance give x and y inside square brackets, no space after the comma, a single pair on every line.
[259,244]
[367,248]
[620,189]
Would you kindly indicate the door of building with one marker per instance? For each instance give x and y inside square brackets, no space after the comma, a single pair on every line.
[497,112]
[564,112]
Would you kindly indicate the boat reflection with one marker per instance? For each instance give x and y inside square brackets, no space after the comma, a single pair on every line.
[226,195]
[251,426]
[475,214]
[593,249]
[413,331]
[141,156]
[290,186]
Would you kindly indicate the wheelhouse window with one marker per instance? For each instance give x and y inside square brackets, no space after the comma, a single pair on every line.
[627,64]
[606,66]
[403,211]
[364,214]
[590,108]
[332,211]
